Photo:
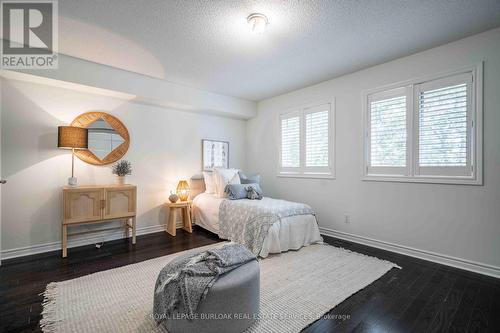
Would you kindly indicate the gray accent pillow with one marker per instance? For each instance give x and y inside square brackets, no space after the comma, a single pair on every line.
[255,179]
[240,191]
[254,192]
[235,191]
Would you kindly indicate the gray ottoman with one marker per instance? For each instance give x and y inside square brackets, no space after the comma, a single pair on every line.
[231,305]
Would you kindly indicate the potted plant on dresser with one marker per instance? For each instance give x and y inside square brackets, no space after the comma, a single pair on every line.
[121,169]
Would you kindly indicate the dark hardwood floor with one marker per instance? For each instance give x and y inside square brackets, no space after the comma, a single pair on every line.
[420,297]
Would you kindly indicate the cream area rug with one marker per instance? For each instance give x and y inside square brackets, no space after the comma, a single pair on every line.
[297,288]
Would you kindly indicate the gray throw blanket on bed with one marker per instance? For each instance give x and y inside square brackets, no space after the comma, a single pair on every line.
[248,221]
[184,282]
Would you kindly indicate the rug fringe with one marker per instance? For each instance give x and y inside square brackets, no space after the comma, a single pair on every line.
[49,319]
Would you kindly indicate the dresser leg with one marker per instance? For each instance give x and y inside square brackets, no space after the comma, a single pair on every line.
[64,242]
[133,229]
[125,226]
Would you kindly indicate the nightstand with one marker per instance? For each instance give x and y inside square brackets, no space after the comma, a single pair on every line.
[185,207]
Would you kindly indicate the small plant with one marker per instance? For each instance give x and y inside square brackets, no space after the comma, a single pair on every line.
[122,168]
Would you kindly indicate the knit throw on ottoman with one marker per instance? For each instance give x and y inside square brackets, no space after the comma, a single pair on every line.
[184,282]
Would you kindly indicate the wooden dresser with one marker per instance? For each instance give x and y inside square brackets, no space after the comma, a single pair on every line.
[98,204]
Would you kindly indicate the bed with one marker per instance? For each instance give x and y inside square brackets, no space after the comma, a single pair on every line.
[286,233]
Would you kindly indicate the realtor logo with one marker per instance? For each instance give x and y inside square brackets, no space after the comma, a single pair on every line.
[29,34]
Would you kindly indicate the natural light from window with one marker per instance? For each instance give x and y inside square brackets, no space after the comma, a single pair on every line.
[388,132]
[317,139]
[443,126]
[290,142]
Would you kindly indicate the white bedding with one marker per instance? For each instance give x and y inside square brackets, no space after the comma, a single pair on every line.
[290,233]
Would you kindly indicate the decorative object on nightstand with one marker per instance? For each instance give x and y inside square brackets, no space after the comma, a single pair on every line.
[183,190]
[173,197]
[185,207]
[98,204]
[122,169]
[69,137]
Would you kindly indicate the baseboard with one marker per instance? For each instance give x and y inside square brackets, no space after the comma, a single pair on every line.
[77,241]
[473,266]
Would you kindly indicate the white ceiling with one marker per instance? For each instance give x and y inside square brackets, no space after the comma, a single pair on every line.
[207,45]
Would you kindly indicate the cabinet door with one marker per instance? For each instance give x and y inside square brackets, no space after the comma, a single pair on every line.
[120,202]
[82,205]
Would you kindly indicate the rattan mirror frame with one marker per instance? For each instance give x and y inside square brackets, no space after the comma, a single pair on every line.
[84,120]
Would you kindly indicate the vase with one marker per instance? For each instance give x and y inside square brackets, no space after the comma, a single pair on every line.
[173,198]
[120,180]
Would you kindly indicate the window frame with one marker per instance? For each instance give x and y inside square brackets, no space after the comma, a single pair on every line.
[414,172]
[302,171]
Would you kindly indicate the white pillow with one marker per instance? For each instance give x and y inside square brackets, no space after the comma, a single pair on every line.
[209,182]
[222,177]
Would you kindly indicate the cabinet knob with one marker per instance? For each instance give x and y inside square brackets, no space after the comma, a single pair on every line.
[3,181]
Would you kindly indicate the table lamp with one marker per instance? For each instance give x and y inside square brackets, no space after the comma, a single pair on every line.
[183,190]
[70,137]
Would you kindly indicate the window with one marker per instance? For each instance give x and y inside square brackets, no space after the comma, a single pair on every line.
[290,142]
[317,140]
[388,132]
[306,145]
[426,130]
[444,111]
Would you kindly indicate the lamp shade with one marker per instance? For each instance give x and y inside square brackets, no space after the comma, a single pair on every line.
[70,137]
[183,190]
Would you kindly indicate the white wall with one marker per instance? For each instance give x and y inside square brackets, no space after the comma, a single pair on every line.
[453,220]
[165,147]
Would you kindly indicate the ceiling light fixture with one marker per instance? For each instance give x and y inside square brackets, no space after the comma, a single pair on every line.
[257,22]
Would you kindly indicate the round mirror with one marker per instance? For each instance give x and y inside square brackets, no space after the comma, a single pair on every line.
[108,138]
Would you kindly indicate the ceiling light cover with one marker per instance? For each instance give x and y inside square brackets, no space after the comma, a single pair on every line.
[257,22]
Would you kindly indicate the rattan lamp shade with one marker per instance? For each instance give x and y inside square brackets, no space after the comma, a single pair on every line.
[70,137]
[183,190]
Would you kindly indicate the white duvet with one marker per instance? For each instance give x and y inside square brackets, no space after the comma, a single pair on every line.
[289,233]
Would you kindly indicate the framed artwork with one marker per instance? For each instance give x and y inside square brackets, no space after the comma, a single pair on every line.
[215,154]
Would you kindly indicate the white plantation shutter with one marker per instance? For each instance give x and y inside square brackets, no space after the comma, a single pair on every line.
[429,130]
[443,126]
[388,132]
[290,142]
[317,137]
[444,112]
[306,147]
